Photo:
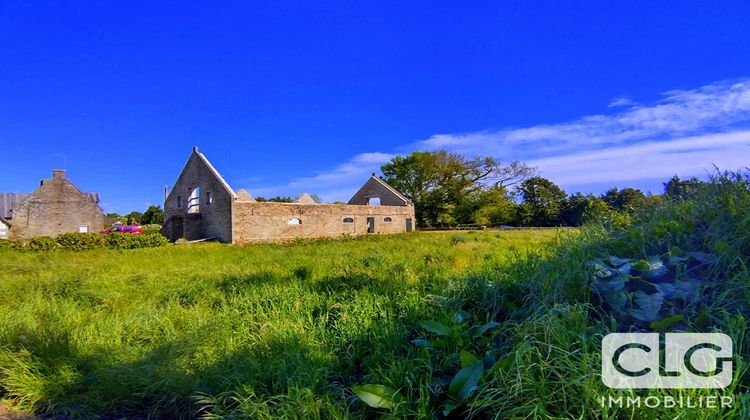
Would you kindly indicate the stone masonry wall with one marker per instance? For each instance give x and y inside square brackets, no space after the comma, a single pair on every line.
[56,207]
[215,219]
[265,222]
[374,188]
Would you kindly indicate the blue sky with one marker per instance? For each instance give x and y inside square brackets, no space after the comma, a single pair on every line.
[293,97]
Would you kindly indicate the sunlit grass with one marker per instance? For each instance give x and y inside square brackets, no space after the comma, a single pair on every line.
[261,330]
[290,331]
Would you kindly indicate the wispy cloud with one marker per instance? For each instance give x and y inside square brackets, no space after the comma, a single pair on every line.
[685,133]
[622,102]
[716,107]
[655,159]
[337,184]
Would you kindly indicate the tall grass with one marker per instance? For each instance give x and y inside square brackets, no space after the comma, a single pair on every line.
[268,331]
[211,330]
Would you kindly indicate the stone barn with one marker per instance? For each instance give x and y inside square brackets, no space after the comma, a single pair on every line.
[202,205]
[56,207]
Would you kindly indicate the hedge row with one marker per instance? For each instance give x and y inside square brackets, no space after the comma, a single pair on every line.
[86,241]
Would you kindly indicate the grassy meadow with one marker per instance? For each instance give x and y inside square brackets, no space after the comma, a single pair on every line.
[482,324]
[256,330]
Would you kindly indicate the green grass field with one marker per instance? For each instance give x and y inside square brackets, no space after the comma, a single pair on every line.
[426,325]
[255,330]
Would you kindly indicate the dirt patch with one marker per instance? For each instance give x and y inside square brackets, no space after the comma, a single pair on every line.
[7,413]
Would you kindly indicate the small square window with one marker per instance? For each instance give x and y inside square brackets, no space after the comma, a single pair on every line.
[83,228]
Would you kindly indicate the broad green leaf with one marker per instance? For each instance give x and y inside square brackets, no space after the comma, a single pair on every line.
[376,396]
[641,265]
[642,285]
[666,322]
[436,327]
[676,251]
[618,262]
[601,271]
[648,306]
[486,327]
[656,269]
[466,380]
[466,358]
[612,292]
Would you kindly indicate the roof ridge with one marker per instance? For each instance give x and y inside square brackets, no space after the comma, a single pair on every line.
[391,189]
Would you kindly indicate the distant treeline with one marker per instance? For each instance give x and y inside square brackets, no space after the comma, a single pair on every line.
[449,189]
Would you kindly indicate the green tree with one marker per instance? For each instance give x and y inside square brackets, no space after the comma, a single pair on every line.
[627,199]
[580,208]
[133,218]
[153,215]
[677,188]
[447,188]
[277,199]
[542,204]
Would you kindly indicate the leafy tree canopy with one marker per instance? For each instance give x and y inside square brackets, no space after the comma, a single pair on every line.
[447,188]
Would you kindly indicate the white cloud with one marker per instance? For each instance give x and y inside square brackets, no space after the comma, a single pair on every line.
[684,133]
[687,156]
[617,102]
[338,184]
[681,112]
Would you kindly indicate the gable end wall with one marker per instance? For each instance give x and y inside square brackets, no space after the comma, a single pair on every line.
[374,188]
[215,219]
[56,207]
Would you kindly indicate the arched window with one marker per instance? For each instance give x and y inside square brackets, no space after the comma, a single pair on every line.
[348,220]
[194,201]
[294,222]
[387,219]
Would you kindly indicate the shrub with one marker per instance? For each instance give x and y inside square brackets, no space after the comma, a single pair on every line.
[10,244]
[80,241]
[126,241]
[87,241]
[42,243]
[151,228]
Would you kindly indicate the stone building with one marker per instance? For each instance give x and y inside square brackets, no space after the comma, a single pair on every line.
[56,207]
[202,205]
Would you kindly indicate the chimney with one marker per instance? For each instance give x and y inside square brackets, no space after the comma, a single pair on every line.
[195,149]
[58,174]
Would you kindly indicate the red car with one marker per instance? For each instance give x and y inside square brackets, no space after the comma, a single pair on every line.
[133,230]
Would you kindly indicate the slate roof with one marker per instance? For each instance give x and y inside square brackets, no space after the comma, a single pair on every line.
[243,195]
[305,198]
